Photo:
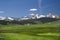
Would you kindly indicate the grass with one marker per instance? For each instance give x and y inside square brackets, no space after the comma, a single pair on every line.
[15,36]
[47,31]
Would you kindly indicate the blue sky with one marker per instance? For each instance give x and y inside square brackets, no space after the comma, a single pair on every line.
[19,8]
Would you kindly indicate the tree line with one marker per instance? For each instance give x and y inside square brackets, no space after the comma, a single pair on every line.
[29,21]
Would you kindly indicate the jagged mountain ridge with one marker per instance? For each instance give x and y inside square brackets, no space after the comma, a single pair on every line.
[31,20]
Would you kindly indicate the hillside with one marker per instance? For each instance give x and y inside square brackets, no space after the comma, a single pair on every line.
[28,21]
[46,31]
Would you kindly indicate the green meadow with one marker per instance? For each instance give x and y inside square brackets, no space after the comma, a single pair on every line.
[46,31]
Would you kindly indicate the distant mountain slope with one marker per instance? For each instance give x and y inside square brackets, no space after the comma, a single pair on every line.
[40,20]
[29,21]
[46,19]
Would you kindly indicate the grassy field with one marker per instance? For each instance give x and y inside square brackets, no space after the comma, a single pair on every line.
[47,31]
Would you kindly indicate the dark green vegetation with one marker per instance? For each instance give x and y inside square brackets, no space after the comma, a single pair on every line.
[46,31]
[29,21]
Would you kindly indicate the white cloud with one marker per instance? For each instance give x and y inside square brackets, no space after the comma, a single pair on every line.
[1,11]
[33,9]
